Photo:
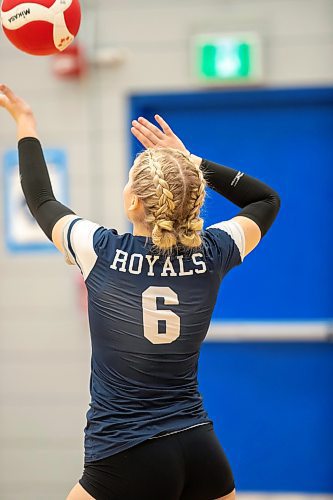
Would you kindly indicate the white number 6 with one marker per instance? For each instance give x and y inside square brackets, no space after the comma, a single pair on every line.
[152,315]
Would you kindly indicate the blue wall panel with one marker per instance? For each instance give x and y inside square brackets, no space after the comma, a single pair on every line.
[272,405]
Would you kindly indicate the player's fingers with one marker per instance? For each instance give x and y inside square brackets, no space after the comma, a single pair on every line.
[7,92]
[3,101]
[165,126]
[145,131]
[141,138]
[158,132]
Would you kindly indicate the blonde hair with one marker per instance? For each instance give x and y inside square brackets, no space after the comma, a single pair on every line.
[172,189]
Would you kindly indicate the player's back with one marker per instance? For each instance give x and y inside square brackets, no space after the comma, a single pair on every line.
[149,313]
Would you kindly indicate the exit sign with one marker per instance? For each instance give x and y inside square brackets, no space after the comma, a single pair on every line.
[228,58]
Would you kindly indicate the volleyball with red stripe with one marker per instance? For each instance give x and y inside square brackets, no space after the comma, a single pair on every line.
[41,27]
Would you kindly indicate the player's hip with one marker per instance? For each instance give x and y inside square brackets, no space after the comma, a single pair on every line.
[186,465]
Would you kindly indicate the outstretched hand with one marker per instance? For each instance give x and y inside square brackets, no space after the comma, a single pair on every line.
[152,136]
[20,111]
[16,106]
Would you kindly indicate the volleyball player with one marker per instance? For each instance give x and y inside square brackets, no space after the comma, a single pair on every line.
[151,296]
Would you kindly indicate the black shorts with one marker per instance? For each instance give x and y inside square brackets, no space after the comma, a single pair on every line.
[187,465]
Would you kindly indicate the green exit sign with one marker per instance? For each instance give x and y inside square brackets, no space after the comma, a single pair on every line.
[228,58]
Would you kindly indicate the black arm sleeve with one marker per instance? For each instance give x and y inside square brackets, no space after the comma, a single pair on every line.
[259,202]
[37,187]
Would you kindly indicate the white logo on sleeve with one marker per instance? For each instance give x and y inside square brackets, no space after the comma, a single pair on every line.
[237,179]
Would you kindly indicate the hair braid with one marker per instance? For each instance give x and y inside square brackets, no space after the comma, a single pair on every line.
[163,233]
[190,227]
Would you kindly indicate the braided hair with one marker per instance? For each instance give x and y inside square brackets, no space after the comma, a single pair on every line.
[172,189]
[190,227]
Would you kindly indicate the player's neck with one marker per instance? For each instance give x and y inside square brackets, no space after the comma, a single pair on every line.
[140,230]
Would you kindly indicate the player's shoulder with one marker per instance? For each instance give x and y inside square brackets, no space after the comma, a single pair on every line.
[82,236]
[106,240]
[225,237]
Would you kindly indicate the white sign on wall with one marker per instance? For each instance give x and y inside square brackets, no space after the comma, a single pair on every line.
[22,233]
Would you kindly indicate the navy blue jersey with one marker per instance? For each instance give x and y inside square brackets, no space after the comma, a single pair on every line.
[148,315]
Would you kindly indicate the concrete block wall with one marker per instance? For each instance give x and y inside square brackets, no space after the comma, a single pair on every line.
[44,344]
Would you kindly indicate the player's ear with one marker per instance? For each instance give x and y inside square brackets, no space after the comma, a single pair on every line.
[135,203]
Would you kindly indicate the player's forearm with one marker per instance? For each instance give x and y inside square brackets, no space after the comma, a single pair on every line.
[259,201]
[37,186]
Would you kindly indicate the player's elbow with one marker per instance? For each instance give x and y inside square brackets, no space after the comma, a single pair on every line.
[273,205]
[276,200]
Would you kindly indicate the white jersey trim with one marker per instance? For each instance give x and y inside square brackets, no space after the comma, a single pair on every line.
[80,237]
[235,231]
[69,257]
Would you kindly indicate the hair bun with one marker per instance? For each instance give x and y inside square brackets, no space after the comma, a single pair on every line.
[166,225]
[163,235]
[195,225]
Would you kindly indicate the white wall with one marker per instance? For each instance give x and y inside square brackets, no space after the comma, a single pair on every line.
[44,346]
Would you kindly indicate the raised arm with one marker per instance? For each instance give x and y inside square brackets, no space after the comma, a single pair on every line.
[260,204]
[50,214]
